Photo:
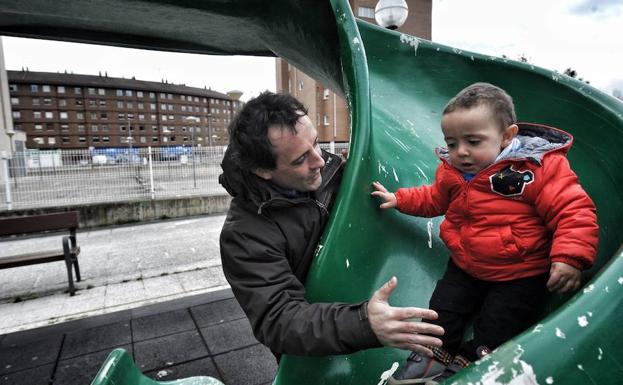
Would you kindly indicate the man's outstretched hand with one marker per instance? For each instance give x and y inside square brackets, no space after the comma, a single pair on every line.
[395,327]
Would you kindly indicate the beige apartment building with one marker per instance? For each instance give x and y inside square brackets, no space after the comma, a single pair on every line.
[327,110]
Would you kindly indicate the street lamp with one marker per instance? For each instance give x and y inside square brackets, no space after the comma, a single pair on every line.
[192,120]
[391,14]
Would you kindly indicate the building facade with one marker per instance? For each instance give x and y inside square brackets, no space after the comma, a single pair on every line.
[327,110]
[57,110]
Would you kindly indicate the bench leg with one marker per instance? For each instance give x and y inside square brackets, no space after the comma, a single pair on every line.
[76,267]
[68,264]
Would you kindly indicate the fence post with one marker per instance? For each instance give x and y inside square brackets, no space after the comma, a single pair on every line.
[151,175]
[7,180]
[332,147]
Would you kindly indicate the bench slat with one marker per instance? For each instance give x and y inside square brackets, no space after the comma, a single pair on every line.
[39,223]
[34,258]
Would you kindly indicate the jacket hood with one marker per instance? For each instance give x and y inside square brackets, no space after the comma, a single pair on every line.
[535,140]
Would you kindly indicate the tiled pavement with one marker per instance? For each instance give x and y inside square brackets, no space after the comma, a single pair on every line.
[205,334]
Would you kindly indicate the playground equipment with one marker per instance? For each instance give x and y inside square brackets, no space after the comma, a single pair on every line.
[396,86]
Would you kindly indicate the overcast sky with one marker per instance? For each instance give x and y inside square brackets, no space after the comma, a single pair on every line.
[586,35]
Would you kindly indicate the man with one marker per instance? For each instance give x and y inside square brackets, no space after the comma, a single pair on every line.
[282,186]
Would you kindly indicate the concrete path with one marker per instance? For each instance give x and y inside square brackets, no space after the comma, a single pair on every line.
[122,268]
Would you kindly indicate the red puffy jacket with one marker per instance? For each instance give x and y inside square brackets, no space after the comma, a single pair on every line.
[514,216]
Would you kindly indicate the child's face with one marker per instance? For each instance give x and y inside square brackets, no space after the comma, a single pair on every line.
[474,138]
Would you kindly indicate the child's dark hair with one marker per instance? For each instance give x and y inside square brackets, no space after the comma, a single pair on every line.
[477,94]
[248,132]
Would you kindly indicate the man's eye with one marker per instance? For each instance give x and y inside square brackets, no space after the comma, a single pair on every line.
[451,145]
[299,161]
[474,142]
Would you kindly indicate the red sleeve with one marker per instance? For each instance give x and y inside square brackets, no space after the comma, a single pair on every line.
[569,214]
[425,201]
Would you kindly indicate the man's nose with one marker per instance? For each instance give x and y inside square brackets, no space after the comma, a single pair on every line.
[317,161]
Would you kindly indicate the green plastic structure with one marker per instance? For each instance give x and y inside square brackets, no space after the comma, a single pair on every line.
[396,86]
[119,369]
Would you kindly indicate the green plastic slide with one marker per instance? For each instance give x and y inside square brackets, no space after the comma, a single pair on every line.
[396,86]
[119,369]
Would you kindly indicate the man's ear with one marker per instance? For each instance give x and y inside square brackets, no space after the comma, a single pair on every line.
[263,173]
[509,133]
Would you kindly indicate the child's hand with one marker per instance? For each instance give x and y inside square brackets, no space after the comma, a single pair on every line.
[563,278]
[389,199]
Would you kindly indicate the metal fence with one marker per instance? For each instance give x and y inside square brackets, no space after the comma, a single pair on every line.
[48,178]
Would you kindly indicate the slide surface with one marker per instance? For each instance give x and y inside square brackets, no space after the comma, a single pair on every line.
[396,86]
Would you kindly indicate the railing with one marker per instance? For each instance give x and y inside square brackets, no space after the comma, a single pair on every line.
[67,177]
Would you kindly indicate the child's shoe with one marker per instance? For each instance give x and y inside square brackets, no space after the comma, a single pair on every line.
[419,368]
[459,363]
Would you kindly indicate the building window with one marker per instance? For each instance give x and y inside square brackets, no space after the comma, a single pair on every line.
[80,115]
[77,90]
[51,140]
[325,119]
[82,139]
[130,105]
[104,115]
[101,91]
[65,139]
[62,102]
[94,128]
[60,89]
[105,139]
[64,127]
[38,140]
[154,128]
[152,95]
[325,94]
[14,101]
[18,114]
[139,94]
[91,102]
[49,115]
[128,92]
[154,138]
[119,104]
[105,127]
[12,87]
[102,103]
[91,91]
[183,97]
[81,128]
[38,127]
[63,115]
[34,88]
[140,106]
[95,139]
[141,117]
[93,115]
[152,106]
[79,102]
[35,114]
[169,96]
[143,139]
[45,88]
[47,101]
[119,93]
[121,116]
[365,12]
[301,85]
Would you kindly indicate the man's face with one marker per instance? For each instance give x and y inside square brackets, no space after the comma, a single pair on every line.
[299,158]
[474,138]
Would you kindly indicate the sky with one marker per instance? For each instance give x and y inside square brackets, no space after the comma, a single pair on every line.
[585,35]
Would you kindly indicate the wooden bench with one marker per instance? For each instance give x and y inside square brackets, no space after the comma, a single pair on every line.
[41,223]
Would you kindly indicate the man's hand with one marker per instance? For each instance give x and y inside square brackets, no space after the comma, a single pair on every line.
[389,199]
[394,326]
[563,278]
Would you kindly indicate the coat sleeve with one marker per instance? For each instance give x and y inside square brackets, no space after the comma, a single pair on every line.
[425,201]
[569,213]
[255,265]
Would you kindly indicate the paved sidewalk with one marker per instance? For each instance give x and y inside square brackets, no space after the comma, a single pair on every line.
[122,267]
